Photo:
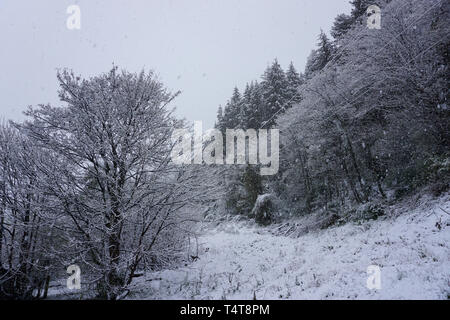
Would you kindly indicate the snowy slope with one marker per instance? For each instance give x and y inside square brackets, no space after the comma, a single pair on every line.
[238,261]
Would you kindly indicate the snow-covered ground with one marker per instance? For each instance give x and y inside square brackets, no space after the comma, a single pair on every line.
[238,261]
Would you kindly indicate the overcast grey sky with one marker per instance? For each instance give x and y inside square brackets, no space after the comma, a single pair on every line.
[202,47]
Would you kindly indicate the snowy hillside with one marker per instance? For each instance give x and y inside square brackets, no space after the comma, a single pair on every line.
[237,261]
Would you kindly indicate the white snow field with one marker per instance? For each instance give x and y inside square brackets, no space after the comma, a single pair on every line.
[238,261]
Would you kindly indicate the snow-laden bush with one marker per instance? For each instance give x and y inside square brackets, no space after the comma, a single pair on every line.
[263,209]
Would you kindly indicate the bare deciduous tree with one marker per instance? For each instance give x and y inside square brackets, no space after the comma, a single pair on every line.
[115,183]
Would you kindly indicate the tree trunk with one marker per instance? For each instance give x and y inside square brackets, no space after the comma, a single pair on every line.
[114,278]
[46,285]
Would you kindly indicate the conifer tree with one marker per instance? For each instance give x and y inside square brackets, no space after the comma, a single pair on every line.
[341,25]
[319,57]
[219,122]
[257,106]
[247,107]
[232,118]
[274,87]
[359,8]
[294,81]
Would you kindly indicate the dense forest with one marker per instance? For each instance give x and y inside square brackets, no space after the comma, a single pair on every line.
[367,120]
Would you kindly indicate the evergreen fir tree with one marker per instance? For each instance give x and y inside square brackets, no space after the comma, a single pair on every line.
[294,81]
[231,113]
[359,9]
[274,87]
[341,25]
[234,109]
[257,106]
[247,108]
[319,57]
[219,123]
